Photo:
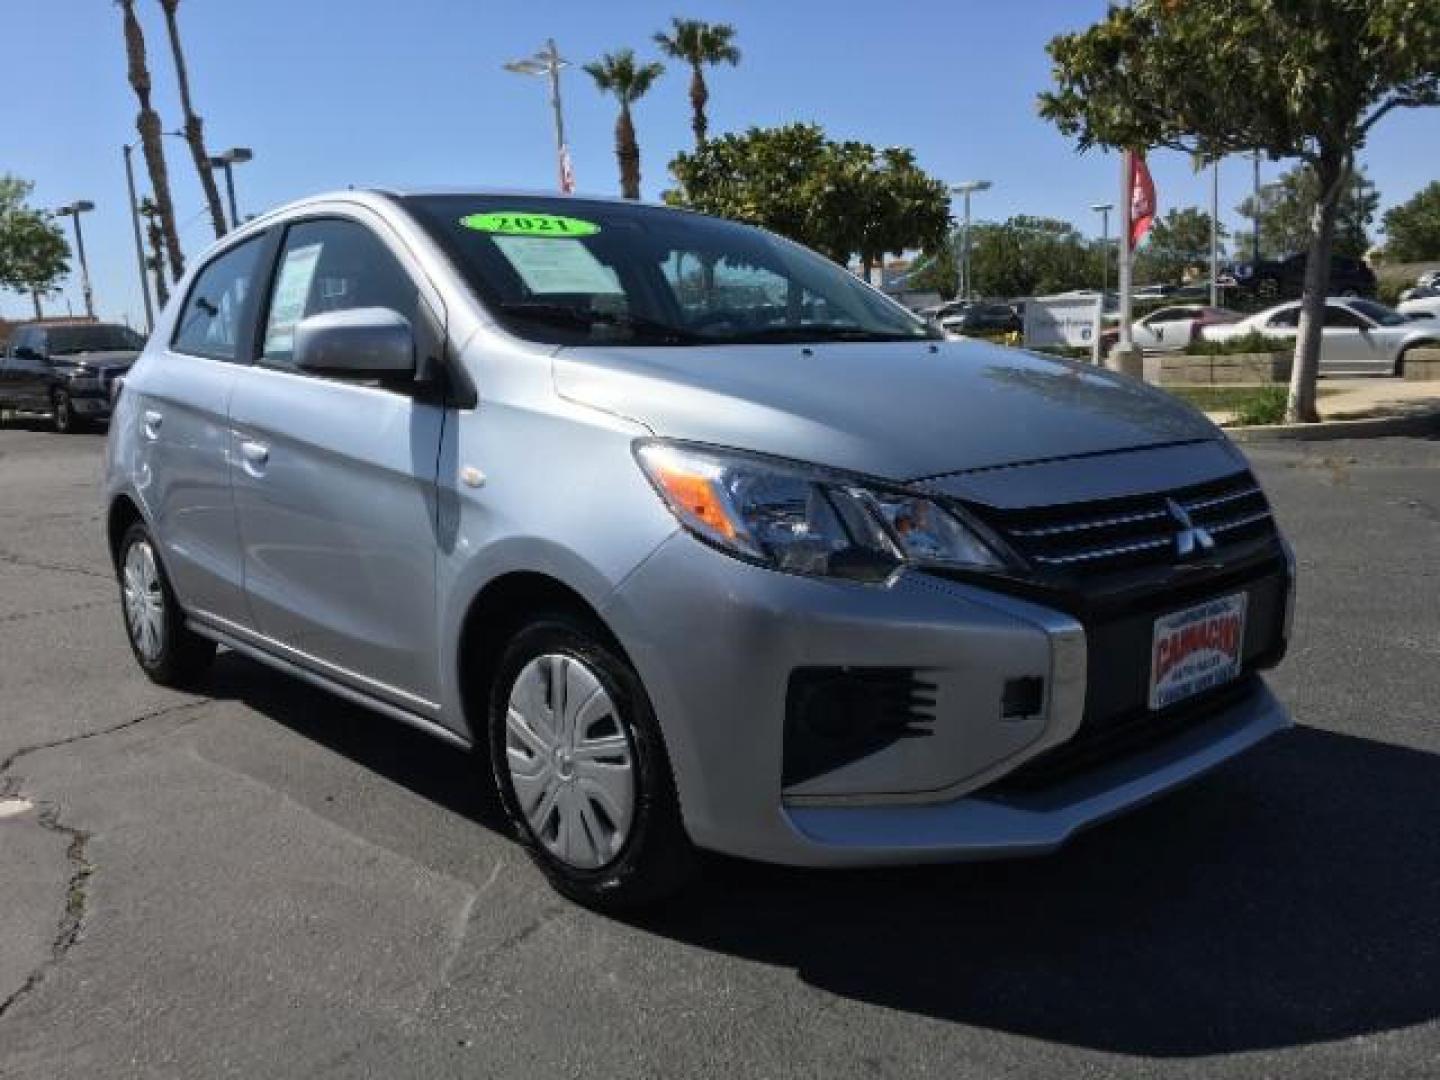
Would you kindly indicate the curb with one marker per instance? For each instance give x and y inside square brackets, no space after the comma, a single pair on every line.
[1425,423]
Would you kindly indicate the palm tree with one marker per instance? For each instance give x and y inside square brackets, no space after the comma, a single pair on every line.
[698,44]
[617,73]
[148,124]
[194,126]
[156,262]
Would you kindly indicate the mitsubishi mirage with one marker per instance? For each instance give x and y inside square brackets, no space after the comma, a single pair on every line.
[697,540]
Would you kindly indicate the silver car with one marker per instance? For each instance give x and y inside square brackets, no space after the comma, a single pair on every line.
[1360,337]
[698,540]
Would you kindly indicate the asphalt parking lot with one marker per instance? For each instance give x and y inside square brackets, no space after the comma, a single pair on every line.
[267,882]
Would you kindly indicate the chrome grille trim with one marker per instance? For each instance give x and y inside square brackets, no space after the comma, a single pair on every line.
[1091,554]
[1096,523]
[1194,505]
[1134,530]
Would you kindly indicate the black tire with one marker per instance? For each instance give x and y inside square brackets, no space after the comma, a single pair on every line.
[67,421]
[182,656]
[656,859]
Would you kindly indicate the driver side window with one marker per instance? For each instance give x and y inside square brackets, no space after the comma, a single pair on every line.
[1288,319]
[331,264]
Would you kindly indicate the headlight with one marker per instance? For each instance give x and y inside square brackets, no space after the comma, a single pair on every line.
[808,520]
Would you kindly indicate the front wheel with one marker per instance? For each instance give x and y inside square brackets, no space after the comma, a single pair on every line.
[582,769]
[166,650]
[67,421]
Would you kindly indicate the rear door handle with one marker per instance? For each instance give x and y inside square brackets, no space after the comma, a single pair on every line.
[152,422]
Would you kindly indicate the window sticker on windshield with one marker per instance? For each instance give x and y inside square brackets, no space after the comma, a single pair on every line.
[292,291]
[520,223]
[548,267]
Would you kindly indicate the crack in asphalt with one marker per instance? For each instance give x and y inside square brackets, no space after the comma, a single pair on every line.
[72,916]
[69,609]
[11,559]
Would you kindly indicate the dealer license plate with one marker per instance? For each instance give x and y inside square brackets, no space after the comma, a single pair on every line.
[1196,649]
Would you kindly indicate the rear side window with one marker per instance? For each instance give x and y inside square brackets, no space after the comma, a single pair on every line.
[1339,318]
[331,265]
[1285,320]
[212,323]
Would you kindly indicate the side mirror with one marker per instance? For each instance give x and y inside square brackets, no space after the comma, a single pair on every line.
[363,342]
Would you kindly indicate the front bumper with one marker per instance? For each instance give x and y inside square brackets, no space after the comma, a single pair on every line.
[716,642]
[93,405]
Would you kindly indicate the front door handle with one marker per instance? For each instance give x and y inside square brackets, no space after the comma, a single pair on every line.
[255,454]
[152,421]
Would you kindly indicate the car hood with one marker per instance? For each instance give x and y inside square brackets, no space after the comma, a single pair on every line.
[898,410]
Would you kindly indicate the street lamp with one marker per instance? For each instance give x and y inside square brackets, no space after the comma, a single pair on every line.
[966,189]
[234,156]
[548,62]
[73,212]
[1103,209]
[128,149]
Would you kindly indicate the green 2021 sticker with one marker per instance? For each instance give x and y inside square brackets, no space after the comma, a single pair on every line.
[521,223]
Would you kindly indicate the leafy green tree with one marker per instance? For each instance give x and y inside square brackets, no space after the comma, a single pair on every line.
[938,271]
[618,74]
[1412,229]
[699,44]
[1031,256]
[1178,241]
[842,199]
[34,255]
[1306,79]
[1287,207]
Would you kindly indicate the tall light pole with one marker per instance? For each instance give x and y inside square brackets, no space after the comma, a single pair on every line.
[1215,234]
[1103,209]
[548,62]
[965,190]
[139,244]
[1255,202]
[234,156]
[73,212]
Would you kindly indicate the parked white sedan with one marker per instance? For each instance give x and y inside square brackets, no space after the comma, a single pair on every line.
[1360,336]
[1422,303]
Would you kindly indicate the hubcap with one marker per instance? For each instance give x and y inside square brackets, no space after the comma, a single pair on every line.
[569,760]
[144,601]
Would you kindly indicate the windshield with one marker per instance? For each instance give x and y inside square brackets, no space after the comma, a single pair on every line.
[68,340]
[1379,312]
[572,272]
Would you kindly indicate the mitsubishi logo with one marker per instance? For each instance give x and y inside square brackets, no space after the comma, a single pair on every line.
[1192,539]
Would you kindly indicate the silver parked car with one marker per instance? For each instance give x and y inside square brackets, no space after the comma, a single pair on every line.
[699,540]
[1360,337]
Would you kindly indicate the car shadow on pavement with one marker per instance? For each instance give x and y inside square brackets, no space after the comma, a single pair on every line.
[1291,898]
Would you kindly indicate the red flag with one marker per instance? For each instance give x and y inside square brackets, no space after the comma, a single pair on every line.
[567,172]
[1142,199]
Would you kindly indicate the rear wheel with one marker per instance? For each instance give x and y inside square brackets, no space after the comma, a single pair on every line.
[582,770]
[168,652]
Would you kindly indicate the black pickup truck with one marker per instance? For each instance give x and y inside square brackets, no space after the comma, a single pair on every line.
[66,370]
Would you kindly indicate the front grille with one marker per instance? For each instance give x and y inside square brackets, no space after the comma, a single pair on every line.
[1116,534]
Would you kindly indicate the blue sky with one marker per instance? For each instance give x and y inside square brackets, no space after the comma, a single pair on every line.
[412,94]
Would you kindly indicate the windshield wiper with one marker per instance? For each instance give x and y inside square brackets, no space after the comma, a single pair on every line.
[582,318]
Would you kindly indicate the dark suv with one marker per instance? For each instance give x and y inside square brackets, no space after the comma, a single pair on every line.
[1284,279]
[66,369]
